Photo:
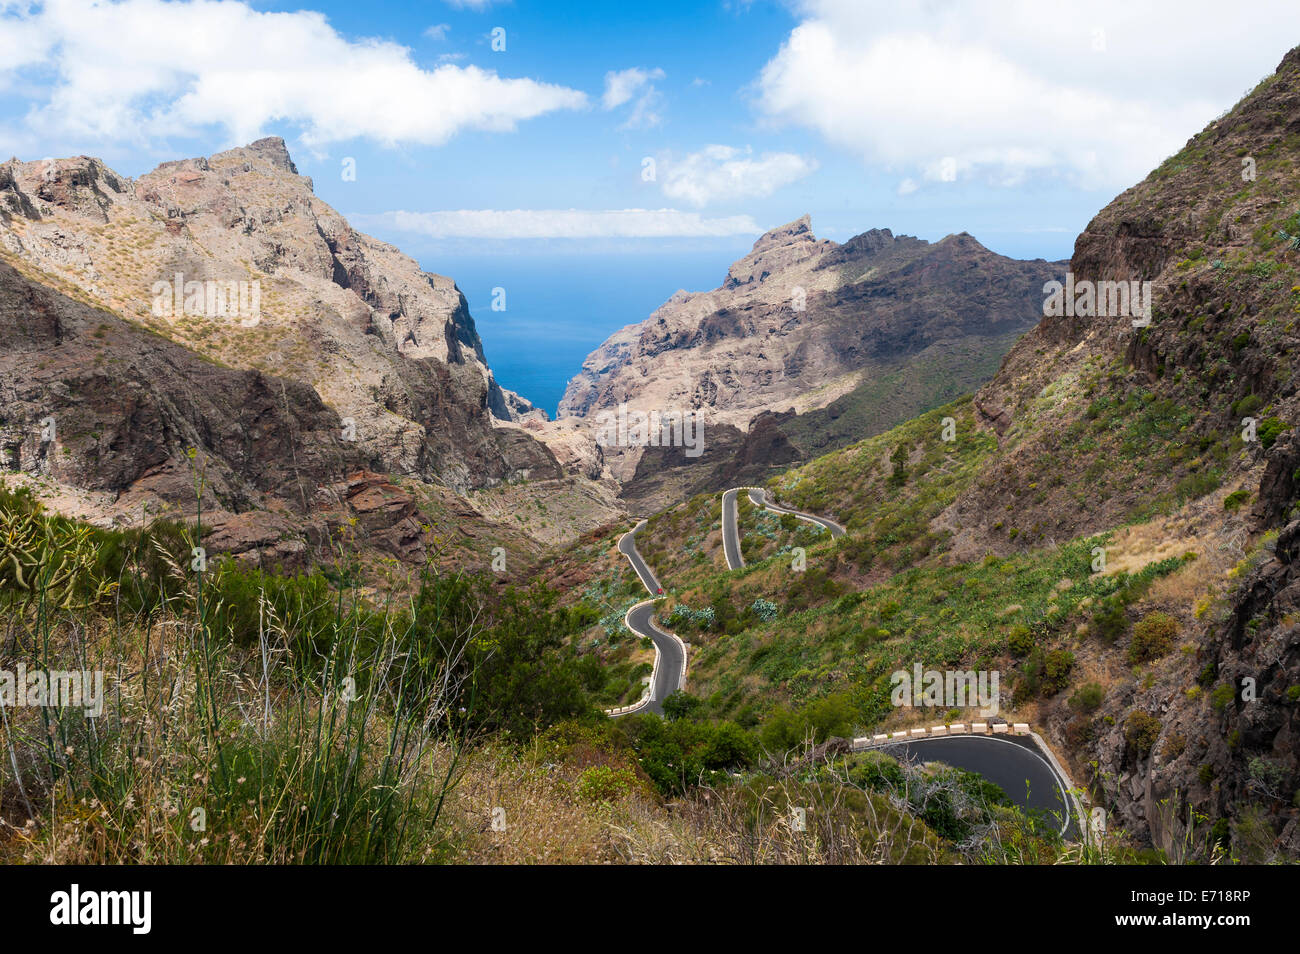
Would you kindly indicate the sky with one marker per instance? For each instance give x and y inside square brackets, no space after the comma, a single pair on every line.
[634,137]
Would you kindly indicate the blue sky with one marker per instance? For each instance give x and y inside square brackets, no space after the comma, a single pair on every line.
[523,163]
[1013,120]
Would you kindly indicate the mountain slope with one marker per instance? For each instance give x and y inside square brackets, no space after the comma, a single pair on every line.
[1113,525]
[853,338]
[380,341]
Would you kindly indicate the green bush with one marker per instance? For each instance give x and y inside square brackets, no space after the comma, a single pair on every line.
[1088,697]
[1270,429]
[605,783]
[1110,621]
[1020,641]
[1247,406]
[1141,730]
[1223,694]
[785,729]
[1234,500]
[1056,670]
[1153,637]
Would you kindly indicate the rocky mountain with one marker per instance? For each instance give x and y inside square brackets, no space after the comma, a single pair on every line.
[217,304]
[1184,430]
[838,341]
[382,342]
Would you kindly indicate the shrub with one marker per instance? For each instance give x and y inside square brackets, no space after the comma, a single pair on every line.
[604,783]
[1110,621]
[1020,641]
[1247,406]
[681,704]
[1234,500]
[1153,636]
[1270,429]
[784,728]
[1141,730]
[1088,697]
[1056,670]
[1222,695]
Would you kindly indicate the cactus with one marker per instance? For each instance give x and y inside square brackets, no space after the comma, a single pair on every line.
[43,557]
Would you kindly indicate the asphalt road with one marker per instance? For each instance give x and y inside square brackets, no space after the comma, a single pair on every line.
[760,498]
[1014,764]
[670,655]
[730,535]
[730,526]
[627,547]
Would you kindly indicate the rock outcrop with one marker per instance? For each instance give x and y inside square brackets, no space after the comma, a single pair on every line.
[853,338]
[1101,423]
[234,258]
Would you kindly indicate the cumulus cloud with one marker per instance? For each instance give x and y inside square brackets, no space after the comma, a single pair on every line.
[560,223]
[718,173]
[438,31]
[1099,91]
[622,85]
[134,70]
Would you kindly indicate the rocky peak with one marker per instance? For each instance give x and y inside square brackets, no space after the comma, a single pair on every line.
[379,340]
[777,250]
[800,230]
[272,149]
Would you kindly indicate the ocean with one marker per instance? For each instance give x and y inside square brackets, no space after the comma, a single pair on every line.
[559,308]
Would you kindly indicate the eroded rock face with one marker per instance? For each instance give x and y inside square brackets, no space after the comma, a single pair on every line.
[799,324]
[1233,755]
[385,346]
[95,402]
[1213,731]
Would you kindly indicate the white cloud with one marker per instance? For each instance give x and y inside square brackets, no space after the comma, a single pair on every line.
[718,173]
[438,31]
[622,85]
[138,69]
[1097,91]
[478,6]
[560,223]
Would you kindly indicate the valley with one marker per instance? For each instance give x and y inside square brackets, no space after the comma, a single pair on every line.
[360,604]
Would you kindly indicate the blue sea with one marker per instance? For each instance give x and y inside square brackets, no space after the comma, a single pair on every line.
[559,308]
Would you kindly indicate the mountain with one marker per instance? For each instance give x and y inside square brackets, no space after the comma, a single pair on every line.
[216,304]
[837,341]
[1187,424]
[1114,525]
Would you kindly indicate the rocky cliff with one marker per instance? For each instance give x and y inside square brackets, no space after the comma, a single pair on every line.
[215,316]
[234,258]
[1183,430]
[853,338]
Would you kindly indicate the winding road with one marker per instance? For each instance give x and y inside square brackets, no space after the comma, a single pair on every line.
[758,497]
[669,672]
[1021,766]
[1013,763]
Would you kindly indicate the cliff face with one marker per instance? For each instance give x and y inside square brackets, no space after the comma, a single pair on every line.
[1184,426]
[854,338]
[233,258]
